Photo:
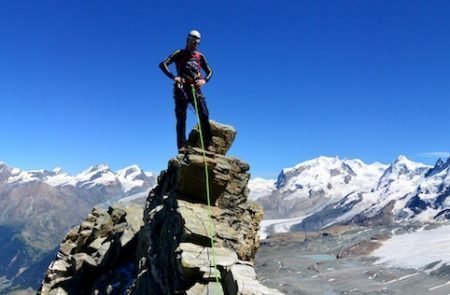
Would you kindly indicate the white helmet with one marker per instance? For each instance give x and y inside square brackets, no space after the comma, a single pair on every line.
[194,35]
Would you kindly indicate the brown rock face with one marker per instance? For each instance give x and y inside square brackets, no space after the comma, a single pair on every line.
[228,178]
[185,246]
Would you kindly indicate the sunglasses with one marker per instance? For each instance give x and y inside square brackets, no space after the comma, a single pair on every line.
[193,41]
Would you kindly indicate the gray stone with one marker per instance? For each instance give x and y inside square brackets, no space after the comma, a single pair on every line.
[209,288]
[119,228]
[103,254]
[103,225]
[83,260]
[97,243]
[59,266]
[196,218]
[86,225]
[241,280]
[67,247]
[195,257]
[134,220]
[117,214]
[57,291]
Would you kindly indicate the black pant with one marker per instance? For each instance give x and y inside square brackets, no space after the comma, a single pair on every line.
[183,96]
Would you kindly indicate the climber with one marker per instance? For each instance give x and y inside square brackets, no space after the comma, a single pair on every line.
[188,81]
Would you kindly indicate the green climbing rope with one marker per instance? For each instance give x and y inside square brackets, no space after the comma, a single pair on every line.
[211,226]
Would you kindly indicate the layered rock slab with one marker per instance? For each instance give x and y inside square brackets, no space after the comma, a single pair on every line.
[222,136]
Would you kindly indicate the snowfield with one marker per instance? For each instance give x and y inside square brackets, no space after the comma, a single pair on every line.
[416,250]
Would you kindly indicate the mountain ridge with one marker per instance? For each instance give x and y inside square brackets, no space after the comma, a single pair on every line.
[346,191]
[40,206]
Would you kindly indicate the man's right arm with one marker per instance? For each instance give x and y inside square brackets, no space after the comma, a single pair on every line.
[164,65]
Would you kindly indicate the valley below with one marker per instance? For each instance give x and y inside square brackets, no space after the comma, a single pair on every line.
[340,260]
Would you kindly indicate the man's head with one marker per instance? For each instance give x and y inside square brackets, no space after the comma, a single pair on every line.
[193,40]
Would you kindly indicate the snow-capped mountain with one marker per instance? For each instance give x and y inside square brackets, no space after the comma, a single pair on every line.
[311,185]
[27,197]
[128,179]
[133,177]
[399,179]
[260,188]
[430,200]
[326,191]
[38,207]
[400,174]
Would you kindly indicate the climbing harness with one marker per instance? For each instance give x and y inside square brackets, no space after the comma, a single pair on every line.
[211,226]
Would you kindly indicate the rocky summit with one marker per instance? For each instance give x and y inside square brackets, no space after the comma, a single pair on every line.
[180,243]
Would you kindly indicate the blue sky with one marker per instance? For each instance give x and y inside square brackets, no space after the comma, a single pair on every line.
[80,83]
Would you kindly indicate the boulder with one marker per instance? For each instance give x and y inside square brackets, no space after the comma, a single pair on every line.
[241,280]
[227,178]
[222,135]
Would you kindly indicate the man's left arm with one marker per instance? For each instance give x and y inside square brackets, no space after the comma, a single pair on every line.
[205,66]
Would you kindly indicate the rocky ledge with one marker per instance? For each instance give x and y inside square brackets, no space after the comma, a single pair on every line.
[177,244]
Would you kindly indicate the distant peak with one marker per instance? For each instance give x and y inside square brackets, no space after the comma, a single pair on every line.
[321,160]
[325,158]
[131,167]
[129,170]
[96,168]
[3,165]
[402,158]
[328,159]
[403,166]
[99,167]
[58,170]
[438,167]
[5,170]
[439,162]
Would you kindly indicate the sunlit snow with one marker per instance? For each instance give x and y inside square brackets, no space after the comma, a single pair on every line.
[417,249]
